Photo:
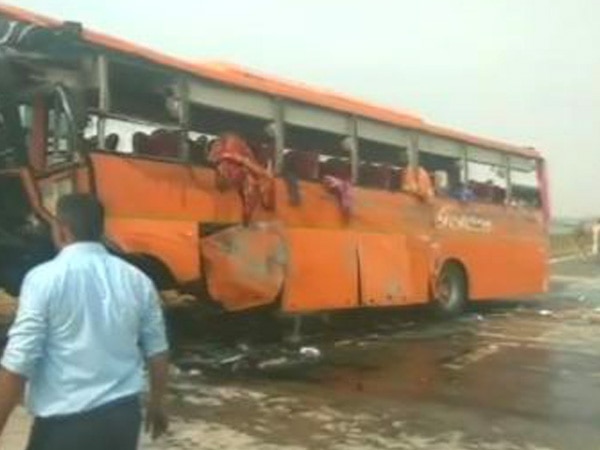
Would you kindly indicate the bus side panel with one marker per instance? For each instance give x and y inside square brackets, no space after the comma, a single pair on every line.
[486,261]
[531,268]
[384,269]
[422,266]
[502,258]
[175,243]
[154,208]
[153,190]
[530,255]
[316,208]
[322,271]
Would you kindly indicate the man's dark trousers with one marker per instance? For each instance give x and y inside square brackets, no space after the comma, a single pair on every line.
[114,426]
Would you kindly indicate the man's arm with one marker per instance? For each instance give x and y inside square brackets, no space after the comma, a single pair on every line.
[27,338]
[153,341]
[156,418]
[12,386]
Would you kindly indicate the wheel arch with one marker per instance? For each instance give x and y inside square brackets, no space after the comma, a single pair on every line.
[154,267]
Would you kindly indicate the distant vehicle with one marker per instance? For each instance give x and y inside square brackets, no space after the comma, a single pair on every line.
[248,191]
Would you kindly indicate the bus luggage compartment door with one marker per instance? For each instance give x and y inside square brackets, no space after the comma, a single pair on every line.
[322,272]
[384,269]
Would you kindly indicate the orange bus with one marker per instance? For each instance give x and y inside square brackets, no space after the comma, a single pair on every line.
[248,191]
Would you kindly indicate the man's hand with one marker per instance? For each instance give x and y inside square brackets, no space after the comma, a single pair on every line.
[12,386]
[157,421]
[156,418]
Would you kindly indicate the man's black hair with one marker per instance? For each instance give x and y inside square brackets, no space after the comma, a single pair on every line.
[83,215]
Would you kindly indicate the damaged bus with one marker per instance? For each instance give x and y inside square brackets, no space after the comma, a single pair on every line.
[247,191]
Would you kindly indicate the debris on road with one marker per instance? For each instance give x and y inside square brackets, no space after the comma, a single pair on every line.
[175,299]
[249,360]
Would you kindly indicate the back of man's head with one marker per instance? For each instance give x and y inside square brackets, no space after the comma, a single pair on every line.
[82,215]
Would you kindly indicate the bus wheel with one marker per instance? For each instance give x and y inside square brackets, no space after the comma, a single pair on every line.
[451,290]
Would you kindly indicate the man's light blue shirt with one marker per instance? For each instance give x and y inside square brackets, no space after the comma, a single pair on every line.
[85,324]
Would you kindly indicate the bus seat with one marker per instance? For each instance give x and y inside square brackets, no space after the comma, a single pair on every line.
[337,168]
[199,150]
[164,143]
[499,195]
[111,142]
[479,190]
[396,175]
[371,175]
[139,142]
[91,143]
[302,163]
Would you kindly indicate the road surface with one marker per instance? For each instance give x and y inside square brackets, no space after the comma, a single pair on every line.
[512,376]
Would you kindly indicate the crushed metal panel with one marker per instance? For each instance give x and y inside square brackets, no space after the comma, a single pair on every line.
[244,267]
[323,271]
[384,269]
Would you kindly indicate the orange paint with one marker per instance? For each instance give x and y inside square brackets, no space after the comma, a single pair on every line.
[311,256]
[244,267]
[388,253]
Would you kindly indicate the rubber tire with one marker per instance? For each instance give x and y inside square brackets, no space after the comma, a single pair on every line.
[452,305]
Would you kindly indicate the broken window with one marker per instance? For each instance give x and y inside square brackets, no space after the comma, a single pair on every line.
[380,165]
[312,154]
[525,186]
[443,159]
[487,177]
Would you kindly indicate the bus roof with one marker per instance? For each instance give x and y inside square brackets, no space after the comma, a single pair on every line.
[239,77]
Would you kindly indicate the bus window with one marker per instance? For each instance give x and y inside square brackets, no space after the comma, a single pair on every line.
[525,189]
[141,93]
[443,160]
[207,124]
[302,164]
[127,136]
[59,148]
[446,173]
[486,175]
[313,154]
[380,165]
[199,145]
[26,115]
[15,126]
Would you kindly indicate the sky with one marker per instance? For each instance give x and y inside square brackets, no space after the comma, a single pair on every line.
[524,71]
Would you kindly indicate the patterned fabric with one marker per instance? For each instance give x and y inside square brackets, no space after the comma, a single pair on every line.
[342,189]
[238,168]
[419,182]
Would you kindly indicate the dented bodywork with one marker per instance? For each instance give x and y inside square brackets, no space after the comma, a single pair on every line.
[242,230]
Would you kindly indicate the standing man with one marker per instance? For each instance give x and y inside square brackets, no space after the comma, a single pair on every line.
[86,324]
